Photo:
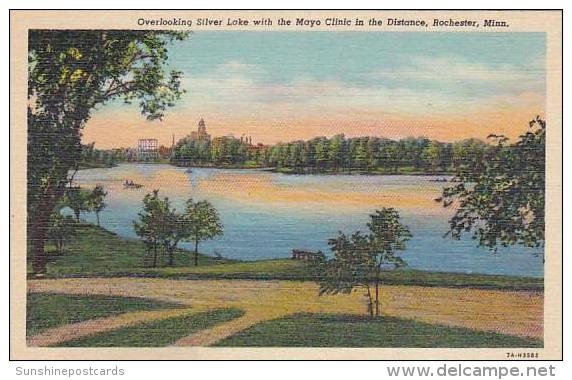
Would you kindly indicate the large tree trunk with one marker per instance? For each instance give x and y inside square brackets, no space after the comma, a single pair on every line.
[37,231]
[38,224]
[97,216]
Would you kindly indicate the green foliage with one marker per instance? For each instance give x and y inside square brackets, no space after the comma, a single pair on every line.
[336,154]
[70,72]
[359,259]
[96,200]
[174,228]
[78,200]
[97,158]
[203,223]
[61,231]
[155,223]
[45,310]
[499,193]
[388,236]
[160,333]
[94,251]
[332,330]
[220,151]
[161,226]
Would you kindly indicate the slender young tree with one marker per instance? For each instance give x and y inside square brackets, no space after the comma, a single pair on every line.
[387,237]
[151,227]
[97,200]
[359,259]
[70,72]
[203,223]
[62,229]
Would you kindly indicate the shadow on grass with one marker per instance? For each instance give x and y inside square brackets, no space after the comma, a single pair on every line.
[47,310]
[158,333]
[331,330]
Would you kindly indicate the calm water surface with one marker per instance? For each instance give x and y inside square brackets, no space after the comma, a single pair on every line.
[266,215]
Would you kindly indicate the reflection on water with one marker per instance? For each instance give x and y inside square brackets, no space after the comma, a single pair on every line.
[266,214]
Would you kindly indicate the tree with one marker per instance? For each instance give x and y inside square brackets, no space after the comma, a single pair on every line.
[321,153]
[337,151]
[151,226]
[62,229]
[97,200]
[432,156]
[499,194]
[359,259]
[466,151]
[70,72]
[174,229]
[78,200]
[203,223]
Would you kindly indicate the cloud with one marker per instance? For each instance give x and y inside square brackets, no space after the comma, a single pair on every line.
[245,89]
[453,70]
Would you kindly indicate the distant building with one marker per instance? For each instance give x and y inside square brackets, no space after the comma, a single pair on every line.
[201,133]
[165,152]
[147,149]
[247,140]
[257,148]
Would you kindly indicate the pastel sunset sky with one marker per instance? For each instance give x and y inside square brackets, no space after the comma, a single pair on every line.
[283,86]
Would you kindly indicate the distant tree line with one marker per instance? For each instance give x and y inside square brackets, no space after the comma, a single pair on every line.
[220,151]
[338,153]
[92,157]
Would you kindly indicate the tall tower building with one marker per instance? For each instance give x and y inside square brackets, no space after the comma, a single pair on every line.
[202,127]
[201,133]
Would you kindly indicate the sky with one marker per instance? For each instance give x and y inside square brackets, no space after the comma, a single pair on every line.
[284,86]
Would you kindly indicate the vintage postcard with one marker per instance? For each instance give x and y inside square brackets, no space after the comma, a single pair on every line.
[286,185]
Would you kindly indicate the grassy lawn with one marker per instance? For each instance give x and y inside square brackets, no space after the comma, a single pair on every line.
[329,330]
[157,333]
[95,251]
[46,310]
[286,269]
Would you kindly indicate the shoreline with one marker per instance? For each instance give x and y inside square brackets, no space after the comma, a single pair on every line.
[130,262]
[289,171]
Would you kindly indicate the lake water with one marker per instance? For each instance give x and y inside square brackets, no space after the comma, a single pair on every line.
[266,215]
